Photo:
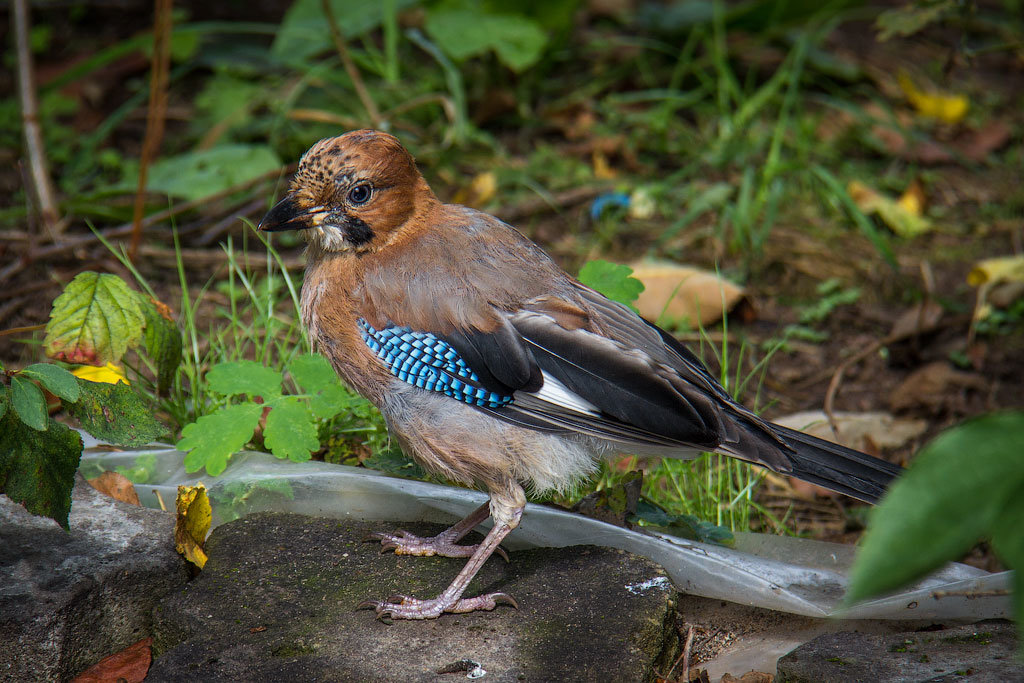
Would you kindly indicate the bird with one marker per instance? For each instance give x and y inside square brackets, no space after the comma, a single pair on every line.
[495,368]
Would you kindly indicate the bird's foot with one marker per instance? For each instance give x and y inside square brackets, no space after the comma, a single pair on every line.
[405,607]
[404,543]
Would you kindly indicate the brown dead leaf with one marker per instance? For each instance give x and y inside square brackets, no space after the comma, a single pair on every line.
[934,387]
[116,486]
[920,318]
[684,295]
[749,677]
[130,665]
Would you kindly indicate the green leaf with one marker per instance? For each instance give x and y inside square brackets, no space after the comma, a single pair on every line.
[199,174]
[214,438]
[37,468]
[56,379]
[244,377]
[685,526]
[163,342]
[94,321]
[517,40]
[290,432]
[315,375]
[1008,542]
[912,17]
[951,496]
[303,31]
[28,402]
[4,400]
[613,280]
[115,414]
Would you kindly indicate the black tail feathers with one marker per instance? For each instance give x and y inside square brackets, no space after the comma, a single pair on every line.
[837,467]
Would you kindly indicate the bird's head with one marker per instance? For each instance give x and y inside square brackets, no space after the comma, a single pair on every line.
[352,193]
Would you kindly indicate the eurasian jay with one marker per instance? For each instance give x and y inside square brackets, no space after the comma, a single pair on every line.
[494,367]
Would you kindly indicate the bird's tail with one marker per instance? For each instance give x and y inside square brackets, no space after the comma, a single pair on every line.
[837,467]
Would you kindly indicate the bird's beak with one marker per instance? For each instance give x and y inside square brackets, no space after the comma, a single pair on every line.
[287,215]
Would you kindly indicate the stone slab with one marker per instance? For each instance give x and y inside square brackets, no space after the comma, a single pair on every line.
[276,602]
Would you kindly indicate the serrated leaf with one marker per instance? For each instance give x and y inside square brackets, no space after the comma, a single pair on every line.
[94,320]
[37,468]
[115,414]
[517,40]
[290,432]
[163,342]
[244,377]
[951,496]
[315,375]
[613,280]
[214,438]
[28,402]
[57,380]
[192,523]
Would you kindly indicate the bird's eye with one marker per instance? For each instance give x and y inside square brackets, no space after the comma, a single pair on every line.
[360,194]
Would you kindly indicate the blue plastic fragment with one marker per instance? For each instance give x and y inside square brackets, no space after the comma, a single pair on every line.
[428,362]
[603,201]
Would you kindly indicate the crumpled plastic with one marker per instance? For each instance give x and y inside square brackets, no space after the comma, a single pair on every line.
[794,575]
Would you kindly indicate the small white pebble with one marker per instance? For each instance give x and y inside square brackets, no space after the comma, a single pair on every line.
[644,586]
[476,672]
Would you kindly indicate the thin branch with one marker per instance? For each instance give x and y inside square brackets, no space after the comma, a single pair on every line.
[156,112]
[350,67]
[42,186]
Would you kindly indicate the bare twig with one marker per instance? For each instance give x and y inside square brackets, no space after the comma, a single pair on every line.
[42,186]
[350,67]
[156,112]
[556,202]
[683,657]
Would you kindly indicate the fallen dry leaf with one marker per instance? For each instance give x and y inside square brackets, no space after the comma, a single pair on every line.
[899,215]
[116,486]
[749,677]
[683,295]
[192,523]
[109,373]
[1002,269]
[933,104]
[479,191]
[129,665]
[920,318]
[933,387]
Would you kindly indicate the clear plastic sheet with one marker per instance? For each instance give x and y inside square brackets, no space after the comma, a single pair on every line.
[792,575]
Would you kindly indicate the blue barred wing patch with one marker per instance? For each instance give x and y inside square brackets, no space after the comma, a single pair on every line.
[428,362]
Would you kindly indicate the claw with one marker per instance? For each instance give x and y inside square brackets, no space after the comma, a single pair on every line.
[504,599]
[386,617]
[501,551]
[368,604]
[397,599]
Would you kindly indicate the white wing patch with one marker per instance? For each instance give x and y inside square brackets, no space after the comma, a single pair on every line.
[557,393]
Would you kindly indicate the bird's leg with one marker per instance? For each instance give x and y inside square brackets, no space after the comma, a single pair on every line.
[451,600]
[444,544]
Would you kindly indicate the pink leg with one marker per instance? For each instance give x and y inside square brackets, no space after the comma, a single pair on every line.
[451,600]
[444,544]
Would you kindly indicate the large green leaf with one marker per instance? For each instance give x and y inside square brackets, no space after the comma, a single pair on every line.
[94,320]
[57,380]
[518,41]
[199,174]
[115,414]
[37,468]
[244,377]
[28,403]
[290,432]
[214,438]
[303,31]
[953,494]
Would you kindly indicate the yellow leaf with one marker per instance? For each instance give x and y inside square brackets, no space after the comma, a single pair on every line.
[903,216]
[109,373]
[912,199]
[479,191]
[602,169]
[193,522]
[942,106]
[994,270]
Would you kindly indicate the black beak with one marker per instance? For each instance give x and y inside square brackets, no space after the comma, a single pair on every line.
[286,215]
